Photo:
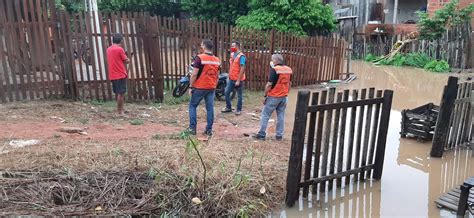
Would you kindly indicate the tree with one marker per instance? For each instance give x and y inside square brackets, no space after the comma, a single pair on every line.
[303,17]
[70,5]
[226,11]
[155,7]
[432,28]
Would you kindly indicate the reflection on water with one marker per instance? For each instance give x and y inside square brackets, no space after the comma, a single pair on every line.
[411,180]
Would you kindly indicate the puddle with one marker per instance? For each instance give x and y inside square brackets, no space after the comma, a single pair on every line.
[411,180]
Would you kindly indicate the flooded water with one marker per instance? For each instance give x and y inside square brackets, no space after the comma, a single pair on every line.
[411,180]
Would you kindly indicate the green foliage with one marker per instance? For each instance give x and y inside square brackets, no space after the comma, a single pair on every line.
[225,11]
[136,122]
[70,5]
[370,58]
[417,59]
[155,7]
[420,60]
[432,28]
[438,66]
[303,17]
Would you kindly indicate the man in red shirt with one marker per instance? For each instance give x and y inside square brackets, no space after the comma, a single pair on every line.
[116,59]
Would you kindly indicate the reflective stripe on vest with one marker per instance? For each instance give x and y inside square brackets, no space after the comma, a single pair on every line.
[210,72]
[234,69]
[282,87]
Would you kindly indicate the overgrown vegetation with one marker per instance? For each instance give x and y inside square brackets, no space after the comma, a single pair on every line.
[433,27]
[225,11]
[301,17]
[419,60]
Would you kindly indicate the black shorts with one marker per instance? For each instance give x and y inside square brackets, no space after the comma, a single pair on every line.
[119,86]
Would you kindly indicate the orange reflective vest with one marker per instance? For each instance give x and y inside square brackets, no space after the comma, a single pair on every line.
[234,69]
[282,87]
[209,72]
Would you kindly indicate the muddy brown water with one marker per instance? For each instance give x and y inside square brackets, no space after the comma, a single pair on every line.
[411,180]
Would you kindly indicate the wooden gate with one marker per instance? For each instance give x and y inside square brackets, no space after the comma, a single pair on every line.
[86,37]
[345,139]
[455,124]
[29,65]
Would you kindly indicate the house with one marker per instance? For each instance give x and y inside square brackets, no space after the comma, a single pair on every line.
[393,16]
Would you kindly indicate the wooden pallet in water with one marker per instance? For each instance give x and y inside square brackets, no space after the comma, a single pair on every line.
[450,200]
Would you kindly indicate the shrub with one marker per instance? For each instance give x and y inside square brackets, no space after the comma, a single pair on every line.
[370,58]
[438,66]
[417,59]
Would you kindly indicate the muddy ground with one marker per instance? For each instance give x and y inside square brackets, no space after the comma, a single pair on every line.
[149,138]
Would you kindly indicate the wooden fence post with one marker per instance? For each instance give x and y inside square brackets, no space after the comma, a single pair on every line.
[272,42]
[153,47]
[442,124]
[382,139]
[297,143]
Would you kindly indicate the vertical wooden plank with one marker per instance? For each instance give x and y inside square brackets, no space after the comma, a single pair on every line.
[41,45]
[334,142]
[167,62]
[81,42]
[58,60]
[297,144]
[134,74]
[29,44]
[319,140]
[374,130]
[464,114]
[340,155]
[47,42]
[6,93]
[12,50]
[70,61]
[22,53]
[105,41]
[351,136]
[359,132]
[455,118]
[147,43]
[310,143]
[136,54]
[382,140]
[327,138]
[175,47]
[468,117]
[96,36]
[368,127]
[442,123]
[95,84]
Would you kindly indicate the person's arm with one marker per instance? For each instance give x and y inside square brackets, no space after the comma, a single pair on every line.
[196,66]
[242,69]
[124,57]
[272,80]
[268,87]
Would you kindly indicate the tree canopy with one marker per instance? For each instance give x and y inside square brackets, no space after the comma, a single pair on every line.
[225,11]
[303,17]
[298,16]
[433,27]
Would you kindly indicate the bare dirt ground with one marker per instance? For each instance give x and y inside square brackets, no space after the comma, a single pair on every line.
[148,140]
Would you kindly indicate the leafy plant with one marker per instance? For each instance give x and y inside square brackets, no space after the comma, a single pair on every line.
[192,143]
[438,66]
[370,57]
[136,122]
[303,17]
[74,6]
[417,59]
[432,28]
[155,7]
[226,11]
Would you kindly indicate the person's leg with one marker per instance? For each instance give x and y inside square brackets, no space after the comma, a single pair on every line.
[120,100]
[209,98]
[280,127]
[228,89]
[267,111]
[196,97]
[239,97]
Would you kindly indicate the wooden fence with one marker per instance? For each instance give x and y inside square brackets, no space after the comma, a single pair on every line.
[455,124]
[30,66]
[453,46]
[345,138]
[44,53]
